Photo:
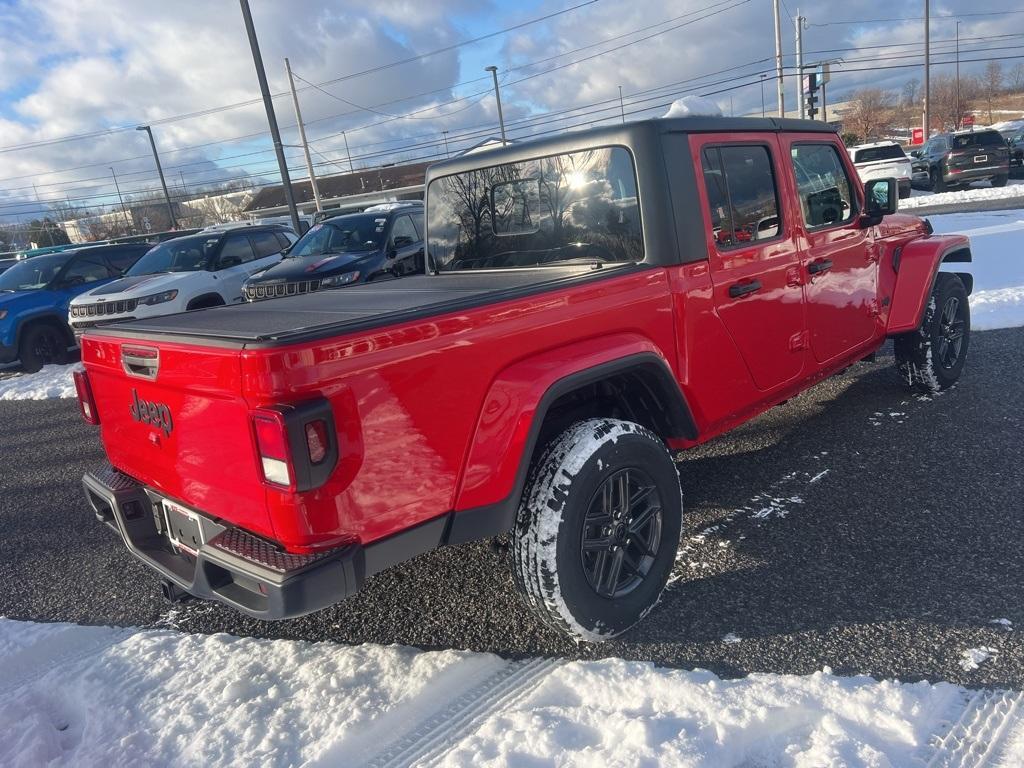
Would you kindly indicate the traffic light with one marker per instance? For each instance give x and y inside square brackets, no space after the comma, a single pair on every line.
[811,94]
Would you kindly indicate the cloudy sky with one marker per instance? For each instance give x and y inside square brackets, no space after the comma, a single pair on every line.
[76,76]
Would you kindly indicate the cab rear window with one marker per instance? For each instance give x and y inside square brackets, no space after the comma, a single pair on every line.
[979,139]
[572,208]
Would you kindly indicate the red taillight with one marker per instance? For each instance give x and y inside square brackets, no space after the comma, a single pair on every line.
[86,402]
[272,444]
[316,440]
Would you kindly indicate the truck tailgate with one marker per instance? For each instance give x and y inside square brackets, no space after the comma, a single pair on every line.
[186,432]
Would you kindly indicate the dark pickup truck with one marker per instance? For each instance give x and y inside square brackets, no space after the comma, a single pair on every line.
[594,303]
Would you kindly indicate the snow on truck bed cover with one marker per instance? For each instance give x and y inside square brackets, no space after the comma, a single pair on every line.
[359,307]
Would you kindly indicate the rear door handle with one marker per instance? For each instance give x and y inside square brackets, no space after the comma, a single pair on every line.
[820,265]
[743,289]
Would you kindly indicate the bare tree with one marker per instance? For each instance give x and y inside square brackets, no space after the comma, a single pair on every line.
[992,84]
[948,110]
[871,113]
[911,92]
[1015,80]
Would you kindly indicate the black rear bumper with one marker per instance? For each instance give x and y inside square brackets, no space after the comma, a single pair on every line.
[231,565]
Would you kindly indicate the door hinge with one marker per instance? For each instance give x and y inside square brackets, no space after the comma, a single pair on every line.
[794,278]
[798,341]
[873,308]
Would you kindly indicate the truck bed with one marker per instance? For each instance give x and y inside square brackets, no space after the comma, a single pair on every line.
[359,307]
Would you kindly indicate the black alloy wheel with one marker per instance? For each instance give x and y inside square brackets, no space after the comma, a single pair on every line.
[621,533]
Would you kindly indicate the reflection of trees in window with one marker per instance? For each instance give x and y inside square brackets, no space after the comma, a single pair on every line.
[579,205]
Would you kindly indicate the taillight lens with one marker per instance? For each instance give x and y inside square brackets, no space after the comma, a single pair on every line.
[86,402]
[316,441]
[272,443]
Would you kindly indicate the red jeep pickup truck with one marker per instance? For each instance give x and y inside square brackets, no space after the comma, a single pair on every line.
[594,303]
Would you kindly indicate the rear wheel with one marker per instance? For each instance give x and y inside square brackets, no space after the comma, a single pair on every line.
[43,345]
[598,529]
[1000,181]
[932,358]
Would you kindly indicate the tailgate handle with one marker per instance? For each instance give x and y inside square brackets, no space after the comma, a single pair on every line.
[143,362]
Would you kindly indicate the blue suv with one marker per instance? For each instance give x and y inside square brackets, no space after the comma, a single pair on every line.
[34,298]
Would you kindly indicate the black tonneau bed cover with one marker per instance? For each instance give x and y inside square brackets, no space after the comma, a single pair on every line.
[356,308]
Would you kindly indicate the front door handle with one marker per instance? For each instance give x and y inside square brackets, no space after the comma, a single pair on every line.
[819,265]
[744,289]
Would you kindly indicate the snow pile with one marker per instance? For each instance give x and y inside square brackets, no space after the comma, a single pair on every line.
[998,269]
[1014,189]
[52,381]
[693,106]
[93,695]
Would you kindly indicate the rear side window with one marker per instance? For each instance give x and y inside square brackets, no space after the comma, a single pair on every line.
[979,139]
[264,244]
[237,250]
[873,154]
[742,200]
[577,207]
[121,259]
[826,195]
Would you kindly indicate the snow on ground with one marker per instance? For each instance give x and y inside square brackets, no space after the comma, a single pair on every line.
[73,695]
[997,244]
[980,193]
[51,382]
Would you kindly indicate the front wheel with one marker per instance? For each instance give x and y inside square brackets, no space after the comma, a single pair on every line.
[1000,181]
[598,528]
[932,357]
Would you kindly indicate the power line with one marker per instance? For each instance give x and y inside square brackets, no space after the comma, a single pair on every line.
[916,18]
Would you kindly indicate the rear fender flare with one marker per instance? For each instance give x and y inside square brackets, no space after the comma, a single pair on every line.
[917,265]
[517,402]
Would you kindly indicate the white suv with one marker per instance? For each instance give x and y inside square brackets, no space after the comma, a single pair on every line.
[203,270]
[883,160]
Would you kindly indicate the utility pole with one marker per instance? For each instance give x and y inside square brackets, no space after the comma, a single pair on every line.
[800,63]
[497,97]
[268,104]
[184,187]
[347,152]
[926,117]
[42,219]
[622,107]
[127,218]
[763,76]
[302,136]
[446,152]
[958,113]
[160,171]
[780,83]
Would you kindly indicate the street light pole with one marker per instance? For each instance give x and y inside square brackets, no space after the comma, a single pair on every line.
[127,220]
[268,104]
[446,152]
[780,83]
[302,136]
[348,154]
[926,116]
[497,97]
[799,21]
[763,77]
[622,106]
[160,171]
[958,115]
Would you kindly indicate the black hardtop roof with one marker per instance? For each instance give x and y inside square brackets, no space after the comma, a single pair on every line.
[625,134]
[219,233]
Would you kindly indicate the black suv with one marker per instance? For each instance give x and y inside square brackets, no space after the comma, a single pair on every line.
[956,159]
[1016,144]
[382,241]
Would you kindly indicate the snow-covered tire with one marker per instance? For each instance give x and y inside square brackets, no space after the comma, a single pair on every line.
[573,528]
[930,359]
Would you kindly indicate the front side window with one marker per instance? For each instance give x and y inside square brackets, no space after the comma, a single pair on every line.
[573,208]
[740,184]
[121,259]
[403,233]
[826,195]
[186,254]
[86,269]
[265,244]
[32,274]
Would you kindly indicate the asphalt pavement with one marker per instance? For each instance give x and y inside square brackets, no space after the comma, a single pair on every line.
[856,527]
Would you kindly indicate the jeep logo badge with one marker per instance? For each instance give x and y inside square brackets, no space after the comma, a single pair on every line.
[156,414]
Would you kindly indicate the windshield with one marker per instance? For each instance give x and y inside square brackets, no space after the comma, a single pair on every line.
[33,274]
[343,234]
[887,152]
[980,139]
[186,254]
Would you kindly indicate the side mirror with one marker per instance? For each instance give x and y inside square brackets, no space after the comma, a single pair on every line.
[881,199]
[915,153]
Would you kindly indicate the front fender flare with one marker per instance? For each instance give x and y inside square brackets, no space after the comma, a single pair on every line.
[514,407]
[917,264]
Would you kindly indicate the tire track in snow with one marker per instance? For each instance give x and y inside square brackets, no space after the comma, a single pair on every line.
[977,738]
[29,664]
[427,743]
